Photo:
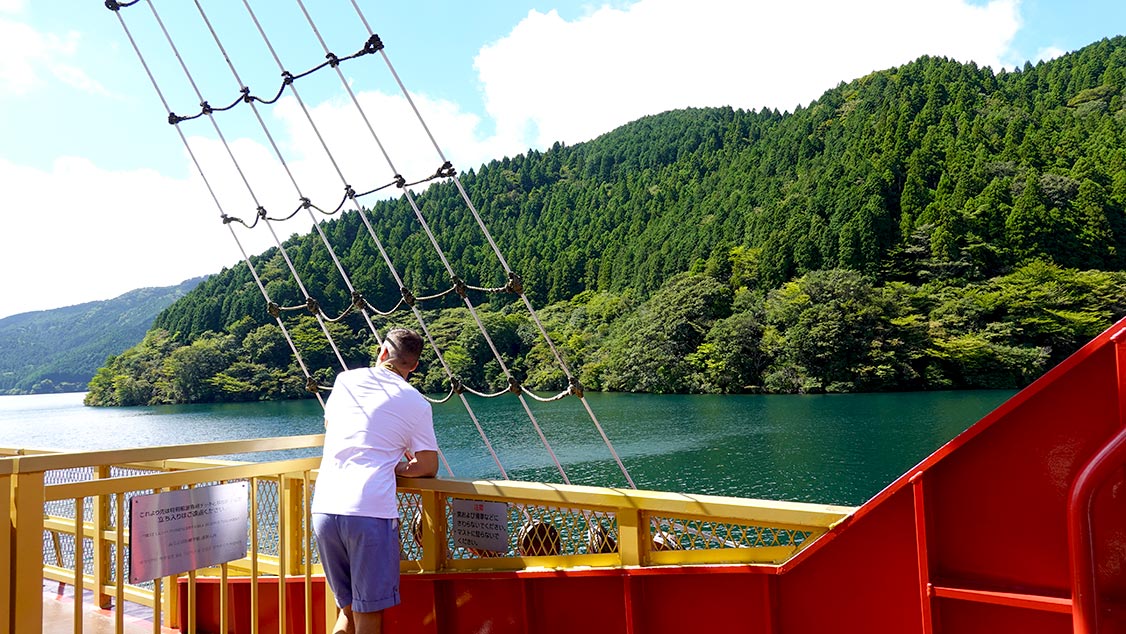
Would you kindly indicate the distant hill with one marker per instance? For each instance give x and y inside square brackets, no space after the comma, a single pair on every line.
[58,350]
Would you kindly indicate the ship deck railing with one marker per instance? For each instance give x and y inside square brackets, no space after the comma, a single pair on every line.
[68,513]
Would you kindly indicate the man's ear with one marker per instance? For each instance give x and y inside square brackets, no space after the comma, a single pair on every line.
[383,354]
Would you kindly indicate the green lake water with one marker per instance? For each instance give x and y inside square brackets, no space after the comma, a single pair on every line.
[834,449]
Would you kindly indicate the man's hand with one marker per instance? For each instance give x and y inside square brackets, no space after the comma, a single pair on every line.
[423,464]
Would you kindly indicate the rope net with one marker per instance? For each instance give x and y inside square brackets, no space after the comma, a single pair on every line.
[247,212]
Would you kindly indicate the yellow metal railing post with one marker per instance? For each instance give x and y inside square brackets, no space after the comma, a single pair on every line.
[289,492]
[6,548]
[170,595]
[433,531]
[629,536]
[27,552]
[331,611]
[101,546]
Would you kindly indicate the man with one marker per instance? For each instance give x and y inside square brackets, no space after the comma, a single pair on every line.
[373,418]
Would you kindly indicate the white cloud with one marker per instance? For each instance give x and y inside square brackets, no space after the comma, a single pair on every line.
[1048,53]
[12,6]
[85,233]
[551,79]
[26,54]
[136,228]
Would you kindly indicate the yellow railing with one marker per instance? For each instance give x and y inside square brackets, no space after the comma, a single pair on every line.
[6,536]
[601,527]
[67,513]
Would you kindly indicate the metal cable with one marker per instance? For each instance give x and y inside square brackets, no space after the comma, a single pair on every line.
[378,243]
[285,165]
[242,175]
[496,250]
[441,254]
[214,197]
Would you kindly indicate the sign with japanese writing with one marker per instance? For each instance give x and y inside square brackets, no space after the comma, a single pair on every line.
[178,531]
[480,525]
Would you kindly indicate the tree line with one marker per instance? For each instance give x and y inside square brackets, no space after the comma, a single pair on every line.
[922,194]
[834,330]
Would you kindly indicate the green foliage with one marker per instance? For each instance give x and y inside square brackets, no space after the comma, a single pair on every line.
[651,348]
[836,331]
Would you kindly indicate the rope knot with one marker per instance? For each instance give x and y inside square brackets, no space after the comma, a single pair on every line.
[113,5]
[349,192]
[358,301]
[227,219]
[514,385]
[515,285]
[373,45]
[173,118]
[408,297]
[261,211]
[333,60]
[400,182]
[456,385]
[446,170]
[312,305]
[311,385]
[459,285]
[305,203]
[574,387]
[246,94]
[287,77]
[273,309]
[205,107]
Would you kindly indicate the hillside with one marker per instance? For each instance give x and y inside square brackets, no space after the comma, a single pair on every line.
[58,350]
[942,189]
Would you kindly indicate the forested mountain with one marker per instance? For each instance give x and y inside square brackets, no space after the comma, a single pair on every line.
[923,198]
[58,350]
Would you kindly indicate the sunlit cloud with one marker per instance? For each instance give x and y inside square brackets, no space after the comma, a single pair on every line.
[113,237]
[551,79]
[1048,53]
[28,58]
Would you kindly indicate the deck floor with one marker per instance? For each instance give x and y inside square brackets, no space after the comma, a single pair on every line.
[58,615]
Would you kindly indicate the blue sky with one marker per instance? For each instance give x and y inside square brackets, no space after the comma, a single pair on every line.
[100,197]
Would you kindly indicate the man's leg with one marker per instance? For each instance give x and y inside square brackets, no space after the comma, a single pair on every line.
[344,623]
[334,558]
[368,622]
[349,622]
[373,548]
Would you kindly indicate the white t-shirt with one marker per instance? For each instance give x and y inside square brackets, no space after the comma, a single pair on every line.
[372,417]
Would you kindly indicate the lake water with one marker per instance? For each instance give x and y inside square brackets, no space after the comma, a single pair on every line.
[834,449]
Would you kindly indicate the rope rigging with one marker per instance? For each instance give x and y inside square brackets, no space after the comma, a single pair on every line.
[458,286]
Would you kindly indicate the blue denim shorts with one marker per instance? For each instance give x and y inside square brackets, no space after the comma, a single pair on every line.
[360,556]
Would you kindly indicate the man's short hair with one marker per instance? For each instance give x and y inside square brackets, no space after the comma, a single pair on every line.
[404,345]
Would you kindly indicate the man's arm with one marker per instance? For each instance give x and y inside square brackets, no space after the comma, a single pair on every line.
[424,465]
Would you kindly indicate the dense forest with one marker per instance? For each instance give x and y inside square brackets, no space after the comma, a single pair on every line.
[936,225]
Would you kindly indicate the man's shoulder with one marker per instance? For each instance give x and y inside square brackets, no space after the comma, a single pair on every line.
[357,374]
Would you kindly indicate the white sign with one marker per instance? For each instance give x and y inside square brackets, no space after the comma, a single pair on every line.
[178,531]
[480,525]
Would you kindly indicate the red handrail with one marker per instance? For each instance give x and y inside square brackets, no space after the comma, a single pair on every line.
[1110,457]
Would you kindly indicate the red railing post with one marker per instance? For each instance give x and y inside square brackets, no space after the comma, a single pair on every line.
[1111,456]
[925,589]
